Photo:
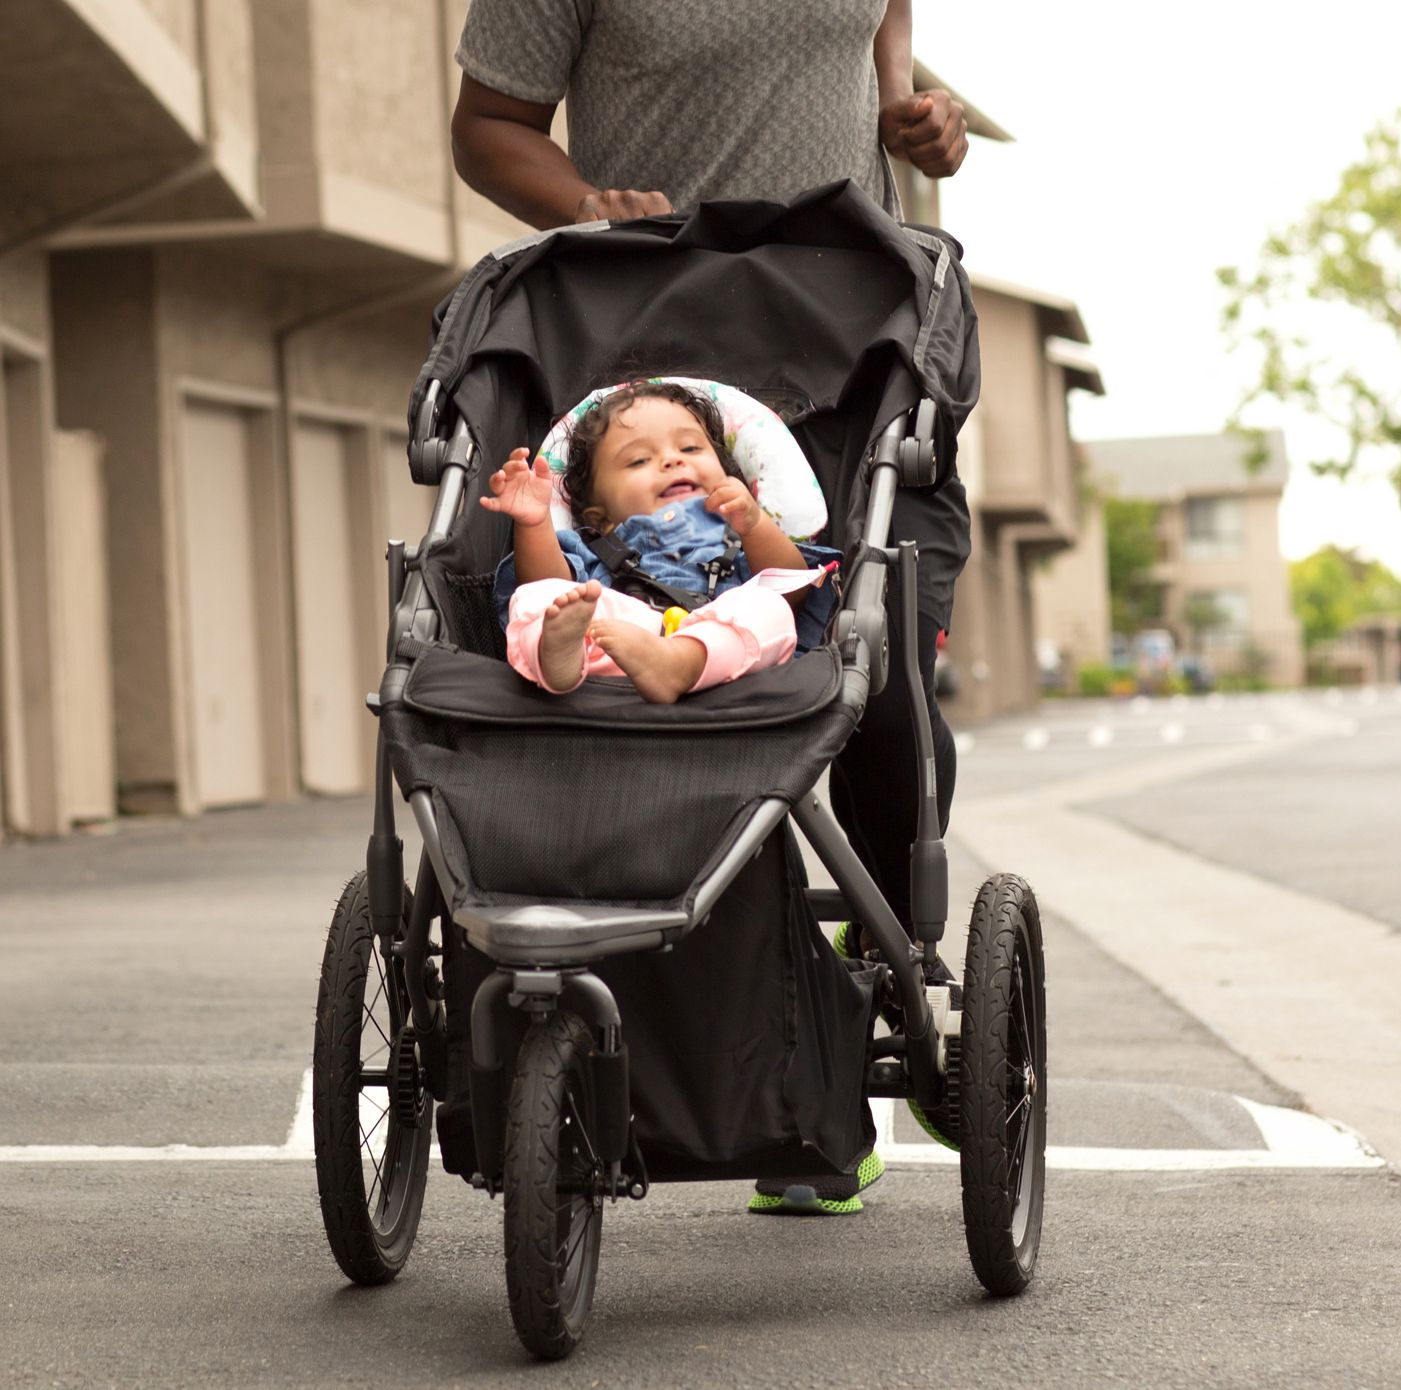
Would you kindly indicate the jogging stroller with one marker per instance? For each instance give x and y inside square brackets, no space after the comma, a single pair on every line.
[633,984]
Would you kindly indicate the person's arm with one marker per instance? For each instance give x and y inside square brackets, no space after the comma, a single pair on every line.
[501,147]
[522,490]
[765,546]
[927,129]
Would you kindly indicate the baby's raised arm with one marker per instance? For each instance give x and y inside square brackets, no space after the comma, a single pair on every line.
[522,490]
[765,545]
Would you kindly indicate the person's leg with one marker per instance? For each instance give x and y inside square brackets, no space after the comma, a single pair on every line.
[547,630]
[875,781]
[744,629]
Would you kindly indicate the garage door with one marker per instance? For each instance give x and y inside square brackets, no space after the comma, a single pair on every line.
[222,606]
[330,563]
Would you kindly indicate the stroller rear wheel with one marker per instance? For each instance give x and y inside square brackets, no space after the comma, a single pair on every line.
[554,1187]
[1002,1085]
[371,1121]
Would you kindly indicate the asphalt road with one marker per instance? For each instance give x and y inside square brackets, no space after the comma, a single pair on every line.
[158,988]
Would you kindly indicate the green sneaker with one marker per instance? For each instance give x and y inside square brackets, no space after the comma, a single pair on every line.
[845,941]
[834,1196]
[928,1127]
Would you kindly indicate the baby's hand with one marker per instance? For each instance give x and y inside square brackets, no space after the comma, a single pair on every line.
[733,501]
[521,490]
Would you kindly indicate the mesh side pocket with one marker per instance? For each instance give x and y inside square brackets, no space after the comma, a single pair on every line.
[470,614]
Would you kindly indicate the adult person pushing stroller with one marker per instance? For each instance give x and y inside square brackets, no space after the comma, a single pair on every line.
[672,102]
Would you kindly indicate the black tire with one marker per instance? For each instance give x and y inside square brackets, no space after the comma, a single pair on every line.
[1002,1085]
[371,1165]
[553,1186]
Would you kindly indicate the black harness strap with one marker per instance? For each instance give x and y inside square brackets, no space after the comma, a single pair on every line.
[624,565]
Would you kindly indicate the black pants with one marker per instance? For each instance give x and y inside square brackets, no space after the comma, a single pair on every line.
[875,780]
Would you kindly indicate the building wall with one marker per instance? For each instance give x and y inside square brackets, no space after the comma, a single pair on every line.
[1256,571]
[107,377]
[1012,405]
[32,665]
[1070,597]
[1017,462]
[1072,591]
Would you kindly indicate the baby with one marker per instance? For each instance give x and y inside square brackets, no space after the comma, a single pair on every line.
[648,464]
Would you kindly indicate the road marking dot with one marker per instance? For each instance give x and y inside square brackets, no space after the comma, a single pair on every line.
[1101,736]
[1172,733]
[1034,740]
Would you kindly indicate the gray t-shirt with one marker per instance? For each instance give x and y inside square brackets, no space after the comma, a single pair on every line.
[696,98]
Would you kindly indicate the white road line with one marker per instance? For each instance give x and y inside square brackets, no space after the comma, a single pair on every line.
[1172,733]
[1291,1139]
[1034,740]
[1100,736]
[298,1147]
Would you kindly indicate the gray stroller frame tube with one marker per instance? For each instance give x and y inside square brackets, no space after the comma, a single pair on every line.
[413,616]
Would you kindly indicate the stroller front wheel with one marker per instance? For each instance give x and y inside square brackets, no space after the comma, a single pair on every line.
[372,1136]
[553,1187]
[1002,1085]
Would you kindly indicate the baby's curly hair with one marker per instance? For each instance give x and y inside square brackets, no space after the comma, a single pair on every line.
[590,428]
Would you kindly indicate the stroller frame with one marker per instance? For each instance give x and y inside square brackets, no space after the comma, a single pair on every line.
[969,1058]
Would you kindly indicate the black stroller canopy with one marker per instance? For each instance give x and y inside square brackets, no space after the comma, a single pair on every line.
[825,309]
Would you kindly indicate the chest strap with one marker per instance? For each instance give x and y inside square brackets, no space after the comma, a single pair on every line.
[624,566]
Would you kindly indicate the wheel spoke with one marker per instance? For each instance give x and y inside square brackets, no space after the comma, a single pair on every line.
[1018,1159]
[1023,1104]
[580,1128]
[378,1165]
[369,1014]
[367,1134]
[579,1237]
[1025,1029]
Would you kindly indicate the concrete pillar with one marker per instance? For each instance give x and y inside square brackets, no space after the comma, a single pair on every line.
[107,380]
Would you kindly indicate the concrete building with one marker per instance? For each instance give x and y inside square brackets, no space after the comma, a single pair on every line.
[223,226]
[1018,464]
[1225,584]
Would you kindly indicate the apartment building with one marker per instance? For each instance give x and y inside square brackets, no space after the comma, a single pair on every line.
[1017,461]
[1225,584]
[224,224]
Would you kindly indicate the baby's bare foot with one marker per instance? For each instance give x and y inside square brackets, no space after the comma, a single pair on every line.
[662,668]
[562,633]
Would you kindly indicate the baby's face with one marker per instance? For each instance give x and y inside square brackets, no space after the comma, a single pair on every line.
[653,453]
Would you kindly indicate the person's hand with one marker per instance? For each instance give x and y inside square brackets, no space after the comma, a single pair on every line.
[928,129]
[732,500]
[521,490]
[620,205]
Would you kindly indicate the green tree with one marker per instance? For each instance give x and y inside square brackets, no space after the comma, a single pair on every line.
[1135,597]
[1333,587]
[1202,614]
[1322,310]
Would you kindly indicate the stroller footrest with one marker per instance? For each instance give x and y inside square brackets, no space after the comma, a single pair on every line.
[556,932]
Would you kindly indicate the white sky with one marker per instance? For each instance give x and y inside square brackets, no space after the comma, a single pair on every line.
[1155,142]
